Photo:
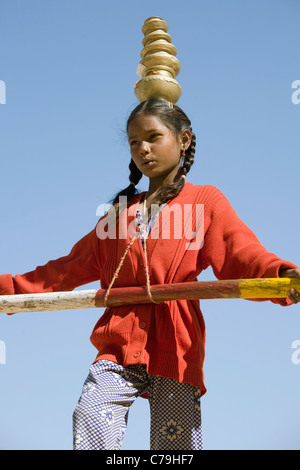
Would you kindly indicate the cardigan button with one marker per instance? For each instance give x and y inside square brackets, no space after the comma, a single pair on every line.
[137,354]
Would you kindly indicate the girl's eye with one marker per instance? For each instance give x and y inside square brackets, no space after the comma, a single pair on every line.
[153,136]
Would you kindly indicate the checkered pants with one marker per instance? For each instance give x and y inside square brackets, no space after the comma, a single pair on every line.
[100,417]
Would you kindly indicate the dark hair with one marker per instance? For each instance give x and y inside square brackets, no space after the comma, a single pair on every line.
[177,121]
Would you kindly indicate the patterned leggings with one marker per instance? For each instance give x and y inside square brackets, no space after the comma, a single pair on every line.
[100,417]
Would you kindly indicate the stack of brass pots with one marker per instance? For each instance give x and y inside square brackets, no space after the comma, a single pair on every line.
[159,66]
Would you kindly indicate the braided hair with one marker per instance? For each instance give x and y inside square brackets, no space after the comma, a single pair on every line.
[177,121]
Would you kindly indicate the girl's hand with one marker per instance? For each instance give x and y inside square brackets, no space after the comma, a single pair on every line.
[293,295]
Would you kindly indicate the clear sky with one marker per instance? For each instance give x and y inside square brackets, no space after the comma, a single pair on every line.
[68,69]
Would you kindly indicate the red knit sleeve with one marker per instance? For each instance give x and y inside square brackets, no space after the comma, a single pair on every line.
[81,266]
[232,249]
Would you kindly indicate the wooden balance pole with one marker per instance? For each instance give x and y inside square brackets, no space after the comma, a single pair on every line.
[82,299]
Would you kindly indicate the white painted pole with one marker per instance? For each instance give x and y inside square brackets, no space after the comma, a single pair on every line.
[50,301]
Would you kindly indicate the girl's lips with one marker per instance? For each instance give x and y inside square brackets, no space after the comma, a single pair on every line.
[148,163]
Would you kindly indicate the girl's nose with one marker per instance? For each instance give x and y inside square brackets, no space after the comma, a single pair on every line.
[144,148]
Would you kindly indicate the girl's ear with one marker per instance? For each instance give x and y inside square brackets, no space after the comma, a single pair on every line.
[185,139]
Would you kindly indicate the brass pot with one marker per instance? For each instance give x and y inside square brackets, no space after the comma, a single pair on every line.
[159,65]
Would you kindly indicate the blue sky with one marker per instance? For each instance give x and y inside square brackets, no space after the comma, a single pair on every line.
[69,69]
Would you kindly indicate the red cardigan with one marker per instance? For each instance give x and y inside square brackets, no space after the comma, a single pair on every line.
[169,337]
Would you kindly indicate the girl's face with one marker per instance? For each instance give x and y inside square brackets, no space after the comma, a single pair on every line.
[154,148]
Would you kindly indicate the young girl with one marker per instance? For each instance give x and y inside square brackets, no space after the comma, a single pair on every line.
[153,350]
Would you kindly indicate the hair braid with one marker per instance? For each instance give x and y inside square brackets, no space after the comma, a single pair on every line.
[135,173]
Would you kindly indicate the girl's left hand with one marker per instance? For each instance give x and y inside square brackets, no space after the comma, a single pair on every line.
[293,294]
